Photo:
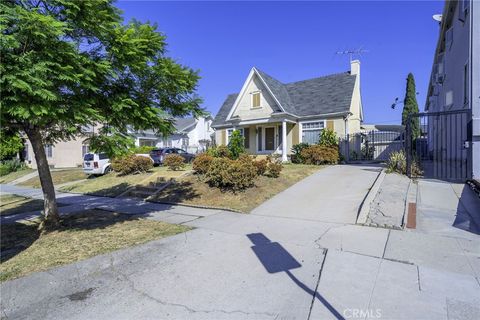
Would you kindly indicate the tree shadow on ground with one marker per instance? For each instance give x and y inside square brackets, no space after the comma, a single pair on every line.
[466,216]
[17,237]
[177,192]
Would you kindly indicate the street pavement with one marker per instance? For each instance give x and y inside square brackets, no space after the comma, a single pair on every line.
[283,261]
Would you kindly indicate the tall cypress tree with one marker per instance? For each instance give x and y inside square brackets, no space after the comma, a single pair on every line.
[410,105]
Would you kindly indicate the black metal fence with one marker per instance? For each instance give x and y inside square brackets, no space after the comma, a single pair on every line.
[371,145]
[437,145]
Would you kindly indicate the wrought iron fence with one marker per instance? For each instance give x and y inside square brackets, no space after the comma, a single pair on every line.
[371,145]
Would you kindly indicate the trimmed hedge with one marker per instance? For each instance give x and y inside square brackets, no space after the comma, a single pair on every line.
[230,174]
[131,164]
[316,154]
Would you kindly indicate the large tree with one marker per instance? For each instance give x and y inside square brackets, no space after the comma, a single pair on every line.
[410,106]
[70,64]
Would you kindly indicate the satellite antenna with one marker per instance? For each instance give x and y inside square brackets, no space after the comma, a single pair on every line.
[351,53]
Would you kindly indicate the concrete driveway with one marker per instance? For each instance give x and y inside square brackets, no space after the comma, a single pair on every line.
[236,266]
[333,194]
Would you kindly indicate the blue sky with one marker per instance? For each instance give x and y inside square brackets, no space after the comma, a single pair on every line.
[293,41]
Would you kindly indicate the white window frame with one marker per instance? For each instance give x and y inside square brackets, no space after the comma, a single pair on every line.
[251,99]
[311,121]
[48,145]
[230,131]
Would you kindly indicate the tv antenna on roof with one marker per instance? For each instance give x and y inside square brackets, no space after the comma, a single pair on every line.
[351,53]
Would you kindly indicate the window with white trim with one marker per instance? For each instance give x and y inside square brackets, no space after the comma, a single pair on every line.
[311,131]
[49,150]
[256,99]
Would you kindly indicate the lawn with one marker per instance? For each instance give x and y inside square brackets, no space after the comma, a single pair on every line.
[14,175]
[24,249]
[13,204]
[58,177]
[190,190]
[112,184]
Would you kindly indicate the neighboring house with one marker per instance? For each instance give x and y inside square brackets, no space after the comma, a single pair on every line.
[64,154]
[455,81]
[191,134]
[268,112]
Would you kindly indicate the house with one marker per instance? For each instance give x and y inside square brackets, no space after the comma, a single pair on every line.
[268,112]
[63,154]
[191,134]
[454,86]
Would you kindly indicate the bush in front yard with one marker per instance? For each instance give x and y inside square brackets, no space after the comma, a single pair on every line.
[202,163]
[296,156]
[274,169]
[13,165]
[174,162]
[317,155]
[261,166]
[142,149]
[230,174]
[328,138]
[236,145]
[219,152]
[131,164]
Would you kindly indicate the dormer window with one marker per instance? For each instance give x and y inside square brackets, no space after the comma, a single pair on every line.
[256,99]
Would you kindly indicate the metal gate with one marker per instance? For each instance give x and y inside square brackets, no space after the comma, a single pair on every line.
[437,145]
[372,145]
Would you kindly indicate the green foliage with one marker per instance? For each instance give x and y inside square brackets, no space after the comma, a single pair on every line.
[274,169]
[317,155]
[174,162]
[9,166]
[219,152]
[397,162]
[114,145]
[296,156]
[10,144]
[68,64]
[131,164]
[328,138]
[202,163]
[236,145]
[230,174]
[410,106]
[142,149]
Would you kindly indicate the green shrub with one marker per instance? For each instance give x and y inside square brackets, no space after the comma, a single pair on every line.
[328,138]
[219,152]
[274,169]
[174,162]
[9,166]
[230,174]
[397,162]
[317,155]
[142,149]
[296,156]
[131,164]
[236,145]
[261,166]
[202,163]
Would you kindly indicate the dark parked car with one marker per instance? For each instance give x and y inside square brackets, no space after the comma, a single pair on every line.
[159,154]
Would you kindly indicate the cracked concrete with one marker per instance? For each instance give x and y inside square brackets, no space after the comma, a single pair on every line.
[213,272]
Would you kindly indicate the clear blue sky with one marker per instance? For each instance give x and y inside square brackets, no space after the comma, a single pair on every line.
[293,41]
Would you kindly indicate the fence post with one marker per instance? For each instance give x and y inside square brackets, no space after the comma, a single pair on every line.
[408,142]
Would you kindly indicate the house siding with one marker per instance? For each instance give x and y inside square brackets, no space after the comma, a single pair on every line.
[244,108]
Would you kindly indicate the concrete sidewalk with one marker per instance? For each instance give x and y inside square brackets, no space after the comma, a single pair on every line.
[236,266]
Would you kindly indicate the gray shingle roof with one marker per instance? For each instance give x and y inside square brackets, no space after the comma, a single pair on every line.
[183,123]
[318,96]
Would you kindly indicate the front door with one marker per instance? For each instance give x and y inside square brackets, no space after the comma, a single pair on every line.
[270,139]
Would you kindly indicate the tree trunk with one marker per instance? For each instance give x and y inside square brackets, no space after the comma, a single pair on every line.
[51,216]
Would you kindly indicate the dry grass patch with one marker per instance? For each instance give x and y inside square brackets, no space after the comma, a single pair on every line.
[112,184]
[58,177]
[191,190]
[81,236]
[14,175]
[13,204]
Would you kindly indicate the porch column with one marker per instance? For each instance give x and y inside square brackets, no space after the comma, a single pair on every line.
[284,141]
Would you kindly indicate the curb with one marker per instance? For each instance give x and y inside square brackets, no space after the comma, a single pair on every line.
[410,205]
[365,206]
